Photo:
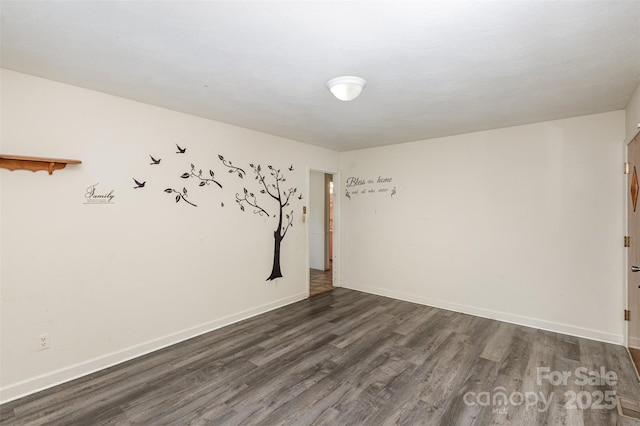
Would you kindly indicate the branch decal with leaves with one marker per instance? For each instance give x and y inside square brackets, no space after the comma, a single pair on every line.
[181,195]
[232,168]
[250,199]
[203,181]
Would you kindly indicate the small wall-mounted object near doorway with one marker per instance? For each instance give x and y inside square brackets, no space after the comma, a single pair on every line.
[320,232]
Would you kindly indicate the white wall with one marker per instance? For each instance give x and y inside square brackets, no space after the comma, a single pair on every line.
[521,224]
[110,282]
[316,220]
[632,117]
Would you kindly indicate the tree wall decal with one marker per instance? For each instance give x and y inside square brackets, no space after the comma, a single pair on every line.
[272,195]
[272,188]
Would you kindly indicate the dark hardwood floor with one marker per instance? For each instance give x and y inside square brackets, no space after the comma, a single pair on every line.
[345,357]
[320,281]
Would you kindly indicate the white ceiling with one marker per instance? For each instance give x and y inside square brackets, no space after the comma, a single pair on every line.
[432,68]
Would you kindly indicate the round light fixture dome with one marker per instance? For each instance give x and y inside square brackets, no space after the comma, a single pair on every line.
[346,88]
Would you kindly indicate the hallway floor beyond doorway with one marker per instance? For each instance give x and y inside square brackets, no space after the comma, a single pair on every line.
[320,281]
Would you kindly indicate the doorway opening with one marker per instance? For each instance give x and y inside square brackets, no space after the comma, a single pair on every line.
[321,230]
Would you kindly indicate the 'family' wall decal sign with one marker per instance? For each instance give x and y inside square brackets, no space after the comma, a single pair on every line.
[356,186]
[92,196]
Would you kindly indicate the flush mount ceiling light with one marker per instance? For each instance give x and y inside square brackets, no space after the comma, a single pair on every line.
[346,88]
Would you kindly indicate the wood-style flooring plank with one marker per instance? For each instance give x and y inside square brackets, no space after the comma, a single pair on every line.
[345,357]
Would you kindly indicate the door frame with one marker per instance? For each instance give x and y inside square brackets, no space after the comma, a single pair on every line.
[328,216]
[336,264]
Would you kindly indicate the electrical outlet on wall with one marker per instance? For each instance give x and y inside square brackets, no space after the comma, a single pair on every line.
[44,342]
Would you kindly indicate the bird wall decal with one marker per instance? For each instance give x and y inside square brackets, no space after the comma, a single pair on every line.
[180,150]
[139,184]
[154,160]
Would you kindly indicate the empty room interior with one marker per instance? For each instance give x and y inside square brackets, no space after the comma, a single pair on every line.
[340,213]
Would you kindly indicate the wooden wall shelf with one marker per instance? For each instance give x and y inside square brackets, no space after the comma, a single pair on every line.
[15,162]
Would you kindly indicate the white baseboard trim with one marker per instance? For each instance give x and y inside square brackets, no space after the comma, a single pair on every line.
[36,384]
[541,324]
